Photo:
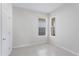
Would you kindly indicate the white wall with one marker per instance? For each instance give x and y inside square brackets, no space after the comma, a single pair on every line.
[25,27]
[0,29]
[67,26]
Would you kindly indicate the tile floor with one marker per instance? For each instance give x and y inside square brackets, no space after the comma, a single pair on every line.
[40,50]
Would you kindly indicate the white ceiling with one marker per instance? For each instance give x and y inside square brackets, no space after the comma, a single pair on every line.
[39,7]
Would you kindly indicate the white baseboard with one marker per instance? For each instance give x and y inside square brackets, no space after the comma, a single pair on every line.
[53,43]
[70,51]
[27,45]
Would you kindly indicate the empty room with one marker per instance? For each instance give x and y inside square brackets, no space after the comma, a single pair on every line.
[39,29]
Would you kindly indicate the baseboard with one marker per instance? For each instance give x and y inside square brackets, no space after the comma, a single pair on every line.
[18,46]
[32,44]
[77,54]
[52,42]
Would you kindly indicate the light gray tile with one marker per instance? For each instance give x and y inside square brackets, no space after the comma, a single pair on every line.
[40,50]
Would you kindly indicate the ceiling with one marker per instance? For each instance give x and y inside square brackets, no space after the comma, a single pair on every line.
[39,7]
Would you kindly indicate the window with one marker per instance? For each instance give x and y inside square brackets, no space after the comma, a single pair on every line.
[53,26]
[42,26]
[41,30]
